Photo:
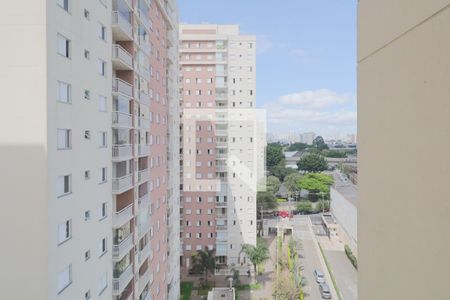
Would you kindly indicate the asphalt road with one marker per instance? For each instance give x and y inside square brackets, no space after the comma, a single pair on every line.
[310,259]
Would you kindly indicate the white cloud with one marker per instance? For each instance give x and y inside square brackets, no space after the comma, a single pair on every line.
[317,99]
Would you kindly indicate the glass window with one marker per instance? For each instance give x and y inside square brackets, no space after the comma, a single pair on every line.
[64,231]
[64,90]
[102,103]
[63,45]
[64,278]
[64,4]
[64,139]
[64,185]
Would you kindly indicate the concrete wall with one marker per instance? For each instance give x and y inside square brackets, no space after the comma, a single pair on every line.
[403,94]
[345,214]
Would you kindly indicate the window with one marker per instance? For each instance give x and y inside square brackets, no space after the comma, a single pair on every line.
[64,278]
[87,215]
[102,103]
[103,247]
[87,174]
[103,210]
[101,31]
[87,295]
[87,255]
[64,90]
[87,95]
[64,139]
[103,175]
[64,4]
[64,231]
[86,14]
[101,67]
[63,45]
[103,283]
[87,54]
[87,134]
[103,139]
[64,185]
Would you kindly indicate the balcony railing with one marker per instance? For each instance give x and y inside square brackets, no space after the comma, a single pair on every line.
[221,204]
[144,149]
[144,253]
[123,216]
[144,123]
[119,251]
[121,152]
[122,184]
[122,59]
[143,175]
[143,280]
[122,119]
[221,227]
[144,201]
[143,229]
[144,98]
[121,282]
[122,87]
[221,217]
[122,28]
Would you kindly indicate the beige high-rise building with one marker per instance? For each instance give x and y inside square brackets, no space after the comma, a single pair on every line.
[404,95]
[89,144]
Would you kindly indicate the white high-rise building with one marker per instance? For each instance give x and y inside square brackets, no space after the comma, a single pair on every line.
[220,154]
[90,142]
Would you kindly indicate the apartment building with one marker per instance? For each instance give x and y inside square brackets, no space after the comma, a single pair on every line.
[219,166]
[95,110]
[403,94]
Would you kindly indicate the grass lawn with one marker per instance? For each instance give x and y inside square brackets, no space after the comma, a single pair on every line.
[186,290]
[281,200]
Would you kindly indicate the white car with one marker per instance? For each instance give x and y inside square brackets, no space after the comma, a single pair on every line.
[320,277]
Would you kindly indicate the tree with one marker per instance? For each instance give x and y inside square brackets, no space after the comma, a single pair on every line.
[266,200]
[335,153]
[319,143]
[304,207]
[316,183]
[291,182]
[297,147]
[281,171]
[256,254]
[312,163]
[286,289]
[323,206]
[203,261]
[274,155]
[273,184]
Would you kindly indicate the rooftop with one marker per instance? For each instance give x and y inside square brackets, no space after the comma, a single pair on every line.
[221,294]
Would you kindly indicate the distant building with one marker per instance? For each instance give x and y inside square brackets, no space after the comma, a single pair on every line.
[292,157]
[307,138]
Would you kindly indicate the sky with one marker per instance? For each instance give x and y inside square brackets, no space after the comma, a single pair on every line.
[306,58]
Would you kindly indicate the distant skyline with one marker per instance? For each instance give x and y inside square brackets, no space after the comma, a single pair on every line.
[306,59]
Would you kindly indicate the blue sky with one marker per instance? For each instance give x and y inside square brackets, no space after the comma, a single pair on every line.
[306,58]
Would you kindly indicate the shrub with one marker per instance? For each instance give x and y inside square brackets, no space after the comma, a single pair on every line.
[351,257]
[323,205]
[304,207]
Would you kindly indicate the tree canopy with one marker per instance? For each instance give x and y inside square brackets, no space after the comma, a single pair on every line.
[291,182]
[281,171]
[273,184]
[266,200]
[274,154]
[316,183]
[335,153]
[312,163]
[203,261]
[297,147]
[256,254]
[319,143]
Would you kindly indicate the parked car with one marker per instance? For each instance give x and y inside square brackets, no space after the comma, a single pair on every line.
[319,276]
[324,290]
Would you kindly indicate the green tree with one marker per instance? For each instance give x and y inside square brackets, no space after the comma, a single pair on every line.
[274,155]
[281,171]
[334,153]
[267,200]
[312,163]
[323,205]
[319,143]
[256,254]
[297,147]
[291,182]
[203,261]
[317,184]
[273,184]
[304,207]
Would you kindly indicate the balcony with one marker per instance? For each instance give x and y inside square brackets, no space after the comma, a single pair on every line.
[222,239]
[221,168]
[144,98]
[143,280]
[122,87]
[124,247]
[221,227]
[143,149]
[122,184]
[121,58]
[221,156]
[121,27]
[121,281]
[123,216]
[144,253]
[221,96]
[121,152]
[221,217]
[121,119]
[221,132]
[143,71]
[143,229]
[144,201]
[144,123]
[143,175]
[221,204]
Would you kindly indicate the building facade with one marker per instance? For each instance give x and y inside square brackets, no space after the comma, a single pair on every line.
[403,95]
[219,166]
[100,124]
